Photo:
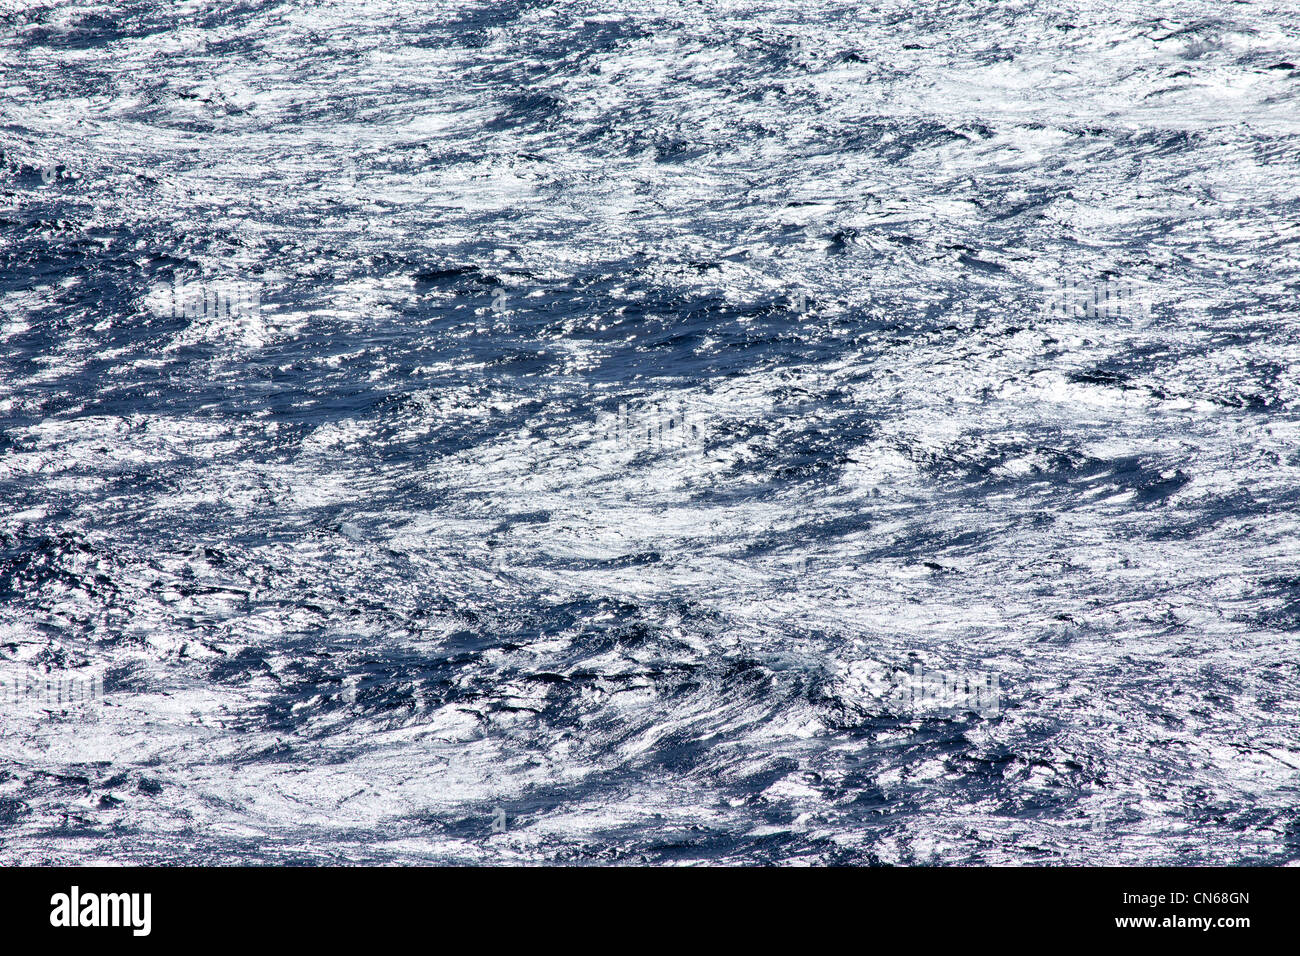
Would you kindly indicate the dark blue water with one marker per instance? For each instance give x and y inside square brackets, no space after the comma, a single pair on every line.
[768,433]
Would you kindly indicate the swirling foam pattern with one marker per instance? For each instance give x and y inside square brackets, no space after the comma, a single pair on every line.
[626,402]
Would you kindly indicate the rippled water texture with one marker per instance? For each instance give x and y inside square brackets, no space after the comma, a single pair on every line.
[577,432]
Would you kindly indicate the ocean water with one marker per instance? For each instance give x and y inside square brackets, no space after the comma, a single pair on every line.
[649,432]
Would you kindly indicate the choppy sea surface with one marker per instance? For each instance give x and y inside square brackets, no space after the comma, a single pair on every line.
[623,408]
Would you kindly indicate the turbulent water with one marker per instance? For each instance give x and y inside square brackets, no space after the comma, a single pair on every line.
[589,432]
